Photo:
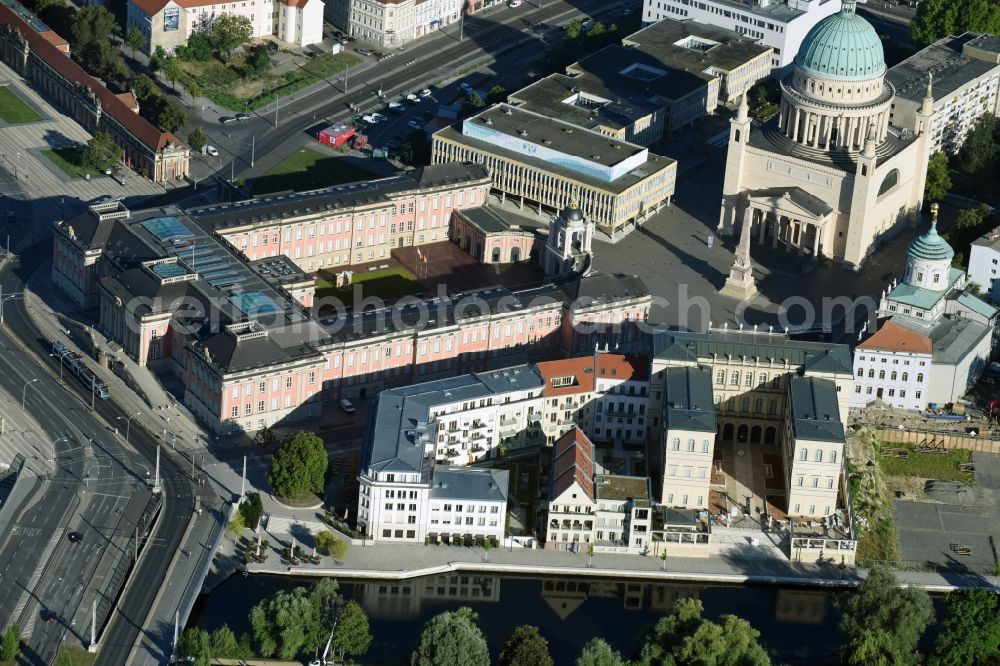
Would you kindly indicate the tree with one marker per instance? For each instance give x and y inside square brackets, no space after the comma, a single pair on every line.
[451,639]
[685,637]
[195,644]
[258,62]
[939,18]
[236,523]
[979,148]
[338,549]
[289,622]
[170,117]
[229,31]
[172,70]
[879,602]
[573,29]
[597,29]
[251,507]
[325,596]
[11,642]
[938,179]
[135,41]
[93,23]
[101,152]
[971,632]
[197,140]
[194,88]
[475,100]
[496,94]
[352,635]
[598,653]
[299,466]
[970,218]
[525,646]
[224,644]
[324,540]
[265,437]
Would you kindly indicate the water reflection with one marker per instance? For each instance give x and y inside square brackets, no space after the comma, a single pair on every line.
[797,625]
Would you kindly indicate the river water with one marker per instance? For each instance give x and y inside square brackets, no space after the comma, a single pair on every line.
[798,625]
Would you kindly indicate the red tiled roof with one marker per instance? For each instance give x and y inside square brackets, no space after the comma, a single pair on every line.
[894,337]
[66,67]
[56,41]
[574,461]
[581,369]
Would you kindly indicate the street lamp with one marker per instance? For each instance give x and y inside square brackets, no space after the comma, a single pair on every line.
[3,298]
[24,391]
[61,357]
[128,423]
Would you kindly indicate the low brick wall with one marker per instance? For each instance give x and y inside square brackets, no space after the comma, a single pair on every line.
[946,440]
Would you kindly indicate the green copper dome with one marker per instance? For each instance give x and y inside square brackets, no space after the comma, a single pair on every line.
[843,47]
[931,247]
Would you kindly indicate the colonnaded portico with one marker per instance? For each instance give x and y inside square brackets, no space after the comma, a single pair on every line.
[790,216]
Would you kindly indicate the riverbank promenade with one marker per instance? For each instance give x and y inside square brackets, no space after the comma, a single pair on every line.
[395,562]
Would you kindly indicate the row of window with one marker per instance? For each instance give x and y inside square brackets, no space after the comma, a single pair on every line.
[895,361]
[892,392]
[686,472]
[684,500]
[748,377]
[800,481]
[817,455]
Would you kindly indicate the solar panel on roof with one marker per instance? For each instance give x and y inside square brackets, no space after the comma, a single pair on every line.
[166,228]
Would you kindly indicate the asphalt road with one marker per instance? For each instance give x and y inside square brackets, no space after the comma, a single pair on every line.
[485,33]
[93,460]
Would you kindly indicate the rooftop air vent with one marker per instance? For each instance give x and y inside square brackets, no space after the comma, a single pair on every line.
[522,132]
[508,111]
[595,157]
[568,130]
[489,121]
[547,142]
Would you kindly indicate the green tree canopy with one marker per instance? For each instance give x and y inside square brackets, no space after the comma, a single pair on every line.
[496,94]
[970,218]
[195,643]
[197,140]
[258,61]
[686,638]
[525,646]
[229,31]
[598,653]
[135,40]
[171,69]
[573,28]
[939,18]
[979,149]
[292,621]
[938,179]
[299,466]
[971,632]
[101,152]
[168,115]
[452,638]
[93,23]
[11,642]
[224,644]
[879,603]
[143,87]
[352,635]
[251,507]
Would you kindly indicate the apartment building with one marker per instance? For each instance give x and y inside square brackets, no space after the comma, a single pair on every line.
[779,24]
[689,430]
[893,365]
[813,441]
[393,23]
[545,163]
[658,80]
[964,73]
[416,438]
[604,395]
[984,264]
[42,58]
[746,375]
[170,23]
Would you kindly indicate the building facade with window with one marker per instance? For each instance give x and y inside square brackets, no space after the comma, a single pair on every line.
[745,378]
[779,24]
[570,523]
[832,175]
[966,76]
[814,442]
[394,23]
[935,337]
[170,23]
[984,264]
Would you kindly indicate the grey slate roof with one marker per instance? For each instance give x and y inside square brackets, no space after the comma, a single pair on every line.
[497,220]
[798,196]
[814,356]
[604,288]
[952,69]
[393,441]
[815,412]
[469,483]
[237,354]
[953,338]
[688,399]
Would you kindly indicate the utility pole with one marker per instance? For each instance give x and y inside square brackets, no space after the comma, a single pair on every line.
[93,391]
[136,559]
[461,24]
[275,109]
[346,72]
[93,627]
[156,478]
[253,148]
[243,481]
[173,648]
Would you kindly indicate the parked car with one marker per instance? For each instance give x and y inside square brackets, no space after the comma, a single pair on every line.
[272,47]
[415,124]
[243,117]
[371,120]
[364,52]
[397,108]
[379,118]
[211,150]
[465,87]
[425,93]
[347,406]
[75,537]
[514,3]
[228,120]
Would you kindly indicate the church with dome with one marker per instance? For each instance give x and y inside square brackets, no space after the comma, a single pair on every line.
[830,176]
[933,339]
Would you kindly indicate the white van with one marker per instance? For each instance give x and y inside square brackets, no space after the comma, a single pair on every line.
[347,406]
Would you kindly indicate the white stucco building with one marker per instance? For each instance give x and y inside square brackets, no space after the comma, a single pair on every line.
[169,23]
[395,22]
[780,24]
[935,338]
[814,443]
[984,264]
[830,175]
[966,74]
[689,420]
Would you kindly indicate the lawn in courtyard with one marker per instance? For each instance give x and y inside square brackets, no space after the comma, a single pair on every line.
[69,161]
[523,485]
[387,283]
[75,656]
[308,169]
[15,110]
[942,466]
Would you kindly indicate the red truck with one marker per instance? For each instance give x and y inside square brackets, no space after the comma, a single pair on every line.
[336,135]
